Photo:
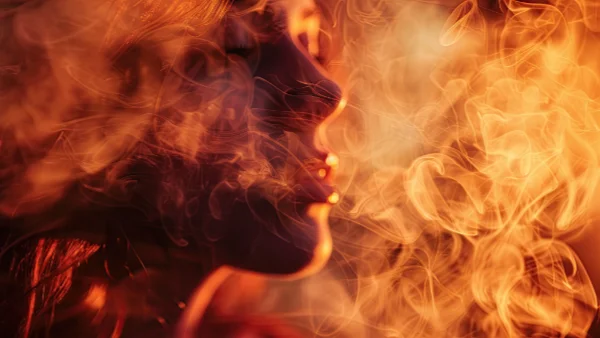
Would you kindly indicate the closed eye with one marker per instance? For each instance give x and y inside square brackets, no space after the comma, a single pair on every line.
[312,46]
[239,39]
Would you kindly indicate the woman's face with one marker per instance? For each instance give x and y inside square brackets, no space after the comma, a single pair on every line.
[272,217]
[202,115]
[261,189]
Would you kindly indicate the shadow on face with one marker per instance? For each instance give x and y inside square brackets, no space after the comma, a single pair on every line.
[258,195]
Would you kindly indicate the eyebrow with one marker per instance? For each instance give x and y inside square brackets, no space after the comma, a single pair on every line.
[309,12]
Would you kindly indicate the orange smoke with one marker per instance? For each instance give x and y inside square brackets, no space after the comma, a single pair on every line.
[468,151]
[469,159]
[84,82]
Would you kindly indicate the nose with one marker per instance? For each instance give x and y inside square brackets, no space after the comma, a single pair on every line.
[292,93]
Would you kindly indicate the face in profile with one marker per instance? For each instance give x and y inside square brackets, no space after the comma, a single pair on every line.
[273,220]
[166,132]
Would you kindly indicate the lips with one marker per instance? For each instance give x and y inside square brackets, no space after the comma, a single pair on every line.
[315,180]
[308,171]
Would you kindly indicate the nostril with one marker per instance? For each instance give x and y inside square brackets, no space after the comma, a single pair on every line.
[326,90]
[330,92]
[322,96]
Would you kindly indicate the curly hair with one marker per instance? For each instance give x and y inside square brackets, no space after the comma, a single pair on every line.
[105,105]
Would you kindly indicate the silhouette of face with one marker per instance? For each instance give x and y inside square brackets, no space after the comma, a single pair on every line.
[268,188]
[276,223]
[258,190]
[154,131]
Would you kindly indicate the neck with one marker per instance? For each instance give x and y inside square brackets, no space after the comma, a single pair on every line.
[191,318]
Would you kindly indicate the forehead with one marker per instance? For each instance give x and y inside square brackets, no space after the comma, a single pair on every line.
[294,5]
[291,7]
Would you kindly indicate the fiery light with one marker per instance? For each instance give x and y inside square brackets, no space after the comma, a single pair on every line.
[96,297]
[466,158]
[332,160]
[333,198]
[468,162]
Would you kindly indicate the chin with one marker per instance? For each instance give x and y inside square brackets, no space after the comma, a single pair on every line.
[271,257]
[287,239]
[317,215]
[277,225]
[303,259]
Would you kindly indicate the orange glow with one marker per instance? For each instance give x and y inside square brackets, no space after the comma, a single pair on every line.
[469,162]
[333,198]
[96,297]
[332,160]
[303,19]
[467,159]
[192,315]
[319,214]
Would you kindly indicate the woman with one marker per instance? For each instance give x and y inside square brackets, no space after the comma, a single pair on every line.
[150,147]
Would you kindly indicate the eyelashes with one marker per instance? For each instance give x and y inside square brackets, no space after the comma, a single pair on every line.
[243,48]
[243,36]
[239,39]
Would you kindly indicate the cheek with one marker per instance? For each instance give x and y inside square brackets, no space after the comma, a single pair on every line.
[292,93]
[275,238]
